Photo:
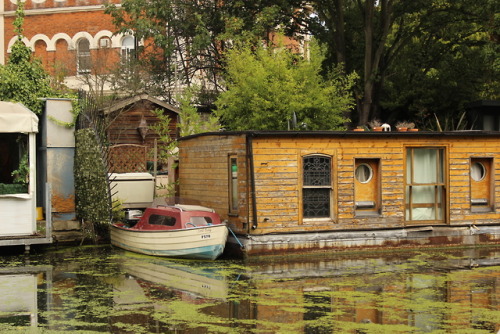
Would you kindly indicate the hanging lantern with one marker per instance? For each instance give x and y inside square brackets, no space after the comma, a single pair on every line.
[143,128]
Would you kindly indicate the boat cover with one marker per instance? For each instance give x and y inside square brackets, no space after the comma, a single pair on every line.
[15,117]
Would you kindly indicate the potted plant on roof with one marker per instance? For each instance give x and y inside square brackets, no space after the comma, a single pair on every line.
[375,125]
[411,127]
[404,125]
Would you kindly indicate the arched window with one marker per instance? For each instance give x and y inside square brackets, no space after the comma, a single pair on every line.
[83,56]
[316,186]
[128,49]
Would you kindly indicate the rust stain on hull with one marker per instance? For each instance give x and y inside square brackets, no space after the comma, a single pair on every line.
[274,245]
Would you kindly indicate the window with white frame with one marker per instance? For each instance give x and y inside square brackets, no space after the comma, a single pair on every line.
[127,49]
[83,56]
[317,186]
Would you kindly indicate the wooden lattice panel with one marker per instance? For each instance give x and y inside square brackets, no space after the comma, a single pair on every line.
[127,158]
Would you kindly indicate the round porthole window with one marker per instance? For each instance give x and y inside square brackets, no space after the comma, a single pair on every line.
[364,173]
[478,171]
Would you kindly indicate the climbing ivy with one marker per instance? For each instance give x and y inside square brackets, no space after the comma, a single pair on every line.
[92,200]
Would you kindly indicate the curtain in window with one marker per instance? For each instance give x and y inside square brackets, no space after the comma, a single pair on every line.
[424,191]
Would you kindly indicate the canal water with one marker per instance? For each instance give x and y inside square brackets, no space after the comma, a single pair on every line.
[99,289]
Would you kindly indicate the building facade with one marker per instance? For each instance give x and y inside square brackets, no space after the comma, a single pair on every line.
[67,35]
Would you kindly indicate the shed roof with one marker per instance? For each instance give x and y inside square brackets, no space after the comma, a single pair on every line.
[134,99]
[15,117]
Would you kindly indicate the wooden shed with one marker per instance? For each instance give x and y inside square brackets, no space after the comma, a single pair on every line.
[131,154]
[127,116]
[296,191]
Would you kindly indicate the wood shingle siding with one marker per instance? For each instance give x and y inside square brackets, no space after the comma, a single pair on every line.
[270,169]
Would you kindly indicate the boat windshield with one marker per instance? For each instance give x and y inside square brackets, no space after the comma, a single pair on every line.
[161,220]
[200,221]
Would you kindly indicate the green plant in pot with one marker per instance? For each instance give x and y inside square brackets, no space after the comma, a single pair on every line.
[21,174]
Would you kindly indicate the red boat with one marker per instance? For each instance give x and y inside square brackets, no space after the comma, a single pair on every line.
[183,231]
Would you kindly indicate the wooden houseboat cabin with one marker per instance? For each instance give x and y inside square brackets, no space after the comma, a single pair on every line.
[285,192]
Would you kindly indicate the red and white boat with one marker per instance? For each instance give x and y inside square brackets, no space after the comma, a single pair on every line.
[181,231]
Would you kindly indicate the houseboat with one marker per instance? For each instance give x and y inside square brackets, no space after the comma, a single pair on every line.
[288,192]
[18,178]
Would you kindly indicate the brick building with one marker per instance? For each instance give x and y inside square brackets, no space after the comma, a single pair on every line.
[66,35]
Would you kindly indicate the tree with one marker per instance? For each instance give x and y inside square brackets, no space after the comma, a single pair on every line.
[191,120]
[184,40]
[267,88]
[451,64]
[380,38]
[179,41]
[23,79]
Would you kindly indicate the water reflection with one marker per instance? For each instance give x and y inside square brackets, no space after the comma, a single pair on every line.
[99,289]
[19,294]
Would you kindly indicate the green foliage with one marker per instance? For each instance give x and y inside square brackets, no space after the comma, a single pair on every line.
[23,79]
[417,58]
[92,200]
[117,211]
[266,87]
[167,145]
[21,174]
[449,64]
[192,121]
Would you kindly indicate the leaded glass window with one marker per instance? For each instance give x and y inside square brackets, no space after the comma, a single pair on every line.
[316,192]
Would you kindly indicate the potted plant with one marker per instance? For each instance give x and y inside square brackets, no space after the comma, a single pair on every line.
[375,125]
[411,127]
[359,128]
[404,125]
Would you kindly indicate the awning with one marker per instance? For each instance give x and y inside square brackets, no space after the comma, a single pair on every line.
[15,117]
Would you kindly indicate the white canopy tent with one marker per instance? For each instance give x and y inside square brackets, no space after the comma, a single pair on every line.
[19,209]
[15,117]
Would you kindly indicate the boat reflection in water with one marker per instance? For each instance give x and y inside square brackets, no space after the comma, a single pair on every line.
[155,291]
[171,275]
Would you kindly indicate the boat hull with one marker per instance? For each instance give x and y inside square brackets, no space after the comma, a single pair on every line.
[206,242]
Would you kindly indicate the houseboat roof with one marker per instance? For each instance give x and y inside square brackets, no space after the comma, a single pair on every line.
[341,134]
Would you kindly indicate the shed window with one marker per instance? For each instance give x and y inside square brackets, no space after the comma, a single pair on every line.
[317,189]
[425,184]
